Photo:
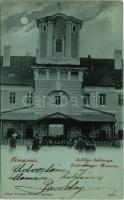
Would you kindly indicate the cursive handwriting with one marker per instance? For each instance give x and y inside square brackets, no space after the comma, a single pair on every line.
[50,187]
[16,159]
[72,186]
[80,175]
[21,168]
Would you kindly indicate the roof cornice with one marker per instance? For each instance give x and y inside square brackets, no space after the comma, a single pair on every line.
[52,17]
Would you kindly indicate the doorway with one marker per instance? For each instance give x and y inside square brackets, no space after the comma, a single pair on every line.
[10,132]
[29,133]
[56,129]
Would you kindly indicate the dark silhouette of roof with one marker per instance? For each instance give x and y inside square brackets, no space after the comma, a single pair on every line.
[19,73]
[98,72]
[101,72]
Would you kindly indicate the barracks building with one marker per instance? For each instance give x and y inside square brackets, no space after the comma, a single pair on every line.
[57,93]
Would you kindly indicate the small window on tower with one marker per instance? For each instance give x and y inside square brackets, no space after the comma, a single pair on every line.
[59,45]
[44,28]
[74,28]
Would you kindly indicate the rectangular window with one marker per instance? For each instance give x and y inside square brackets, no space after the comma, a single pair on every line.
[86,99]
[59,45]
[74,75]
[42,74]
[29,98]
[120,99]
[53,74]
[12,97]
[102,99]
[57,100]
[64,75]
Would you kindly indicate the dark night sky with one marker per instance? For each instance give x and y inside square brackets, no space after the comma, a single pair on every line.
[101,31]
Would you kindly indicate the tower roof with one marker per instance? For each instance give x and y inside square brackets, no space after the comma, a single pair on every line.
[52,17]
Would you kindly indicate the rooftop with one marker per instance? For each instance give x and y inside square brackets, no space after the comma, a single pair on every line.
[52,17]
[98,72]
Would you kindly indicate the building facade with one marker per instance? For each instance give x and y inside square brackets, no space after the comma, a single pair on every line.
[57,94]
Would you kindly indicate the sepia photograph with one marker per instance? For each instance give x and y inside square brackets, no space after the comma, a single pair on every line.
[61,69]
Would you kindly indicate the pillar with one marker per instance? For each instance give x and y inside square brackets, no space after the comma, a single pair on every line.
[58,74]
[1,135]
[80,76]
[22,132]
[78,40]
[50,39]
[47,74]
[93,132]
[113,133]
[36,74]
[39,42]
[69,75]
[47,124]
[68,39]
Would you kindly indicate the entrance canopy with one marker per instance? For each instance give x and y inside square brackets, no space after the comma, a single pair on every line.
[85,117]
[32,115]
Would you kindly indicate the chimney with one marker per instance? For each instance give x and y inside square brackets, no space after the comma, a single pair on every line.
[118,59]
[90,62]
[6,56]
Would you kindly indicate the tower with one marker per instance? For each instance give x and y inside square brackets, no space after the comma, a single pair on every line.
[58,74]
[58,39]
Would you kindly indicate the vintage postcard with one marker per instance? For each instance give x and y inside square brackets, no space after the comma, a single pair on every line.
[61,99]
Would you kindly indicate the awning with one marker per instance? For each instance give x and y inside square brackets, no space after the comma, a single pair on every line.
[84,117]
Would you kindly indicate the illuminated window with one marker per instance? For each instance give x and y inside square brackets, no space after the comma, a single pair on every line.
[12,97]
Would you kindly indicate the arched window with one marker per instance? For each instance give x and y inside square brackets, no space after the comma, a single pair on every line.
[74,28]
[59,45]
[44,27]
